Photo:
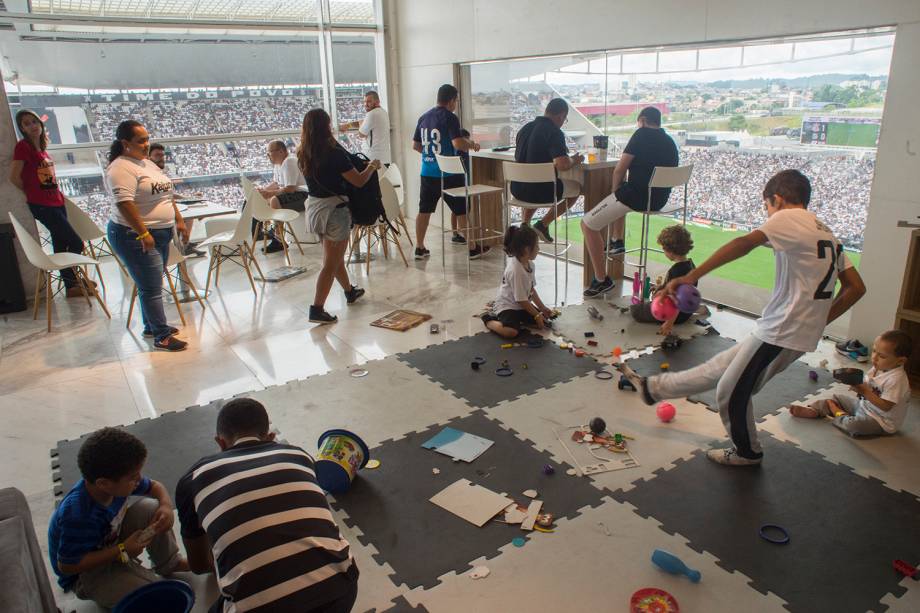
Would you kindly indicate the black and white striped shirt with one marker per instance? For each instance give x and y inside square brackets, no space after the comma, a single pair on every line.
[276,545]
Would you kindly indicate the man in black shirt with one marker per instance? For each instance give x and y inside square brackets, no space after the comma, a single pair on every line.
[649,146]
[255,514]
[542,141]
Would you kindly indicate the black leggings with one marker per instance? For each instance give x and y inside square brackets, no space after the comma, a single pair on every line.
[64,238]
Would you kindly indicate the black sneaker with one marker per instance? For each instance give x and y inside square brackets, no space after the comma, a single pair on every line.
[191,251]
[598,287]
[421,254]
[170,343]
[637,381]
[172,331]
[274,246]
[543,232]
[353,294]
[854,350]
[479,251]
[458,239]
[318,315]
[615,247]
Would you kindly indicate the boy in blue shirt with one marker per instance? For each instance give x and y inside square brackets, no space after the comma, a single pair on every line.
[109,517]
[438,132]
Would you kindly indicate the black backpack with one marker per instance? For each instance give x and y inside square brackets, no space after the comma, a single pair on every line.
[365,203]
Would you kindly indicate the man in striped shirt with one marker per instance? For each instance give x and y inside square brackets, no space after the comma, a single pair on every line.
[255,514]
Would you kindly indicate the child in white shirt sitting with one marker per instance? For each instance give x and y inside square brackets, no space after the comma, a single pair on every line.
[880,406]
[518,305]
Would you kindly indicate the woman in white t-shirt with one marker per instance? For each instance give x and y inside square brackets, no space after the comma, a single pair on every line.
[142,222]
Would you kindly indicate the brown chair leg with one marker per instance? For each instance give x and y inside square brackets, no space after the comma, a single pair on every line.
[367,255]
[253,260]
[48,299]
[296,240]
[172,290]
[183,270]
[99,298]
[131,306]
[80,274]
[243,258]
[39,282]
[215,253]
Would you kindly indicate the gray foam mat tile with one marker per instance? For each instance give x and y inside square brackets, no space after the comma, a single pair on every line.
[174,442]
[844,529]
[448,364]
[617,329]
[421,541]
[401,605]
[891,459]
[793,384]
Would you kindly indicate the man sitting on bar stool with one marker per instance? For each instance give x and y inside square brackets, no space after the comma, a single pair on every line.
[648,147]
[542,141]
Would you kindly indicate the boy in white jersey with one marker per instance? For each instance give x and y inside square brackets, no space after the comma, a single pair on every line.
[809,262]
[880,406]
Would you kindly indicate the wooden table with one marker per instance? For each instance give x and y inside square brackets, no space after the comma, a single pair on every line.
[596,179]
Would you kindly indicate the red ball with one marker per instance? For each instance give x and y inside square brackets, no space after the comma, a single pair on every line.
[666,411]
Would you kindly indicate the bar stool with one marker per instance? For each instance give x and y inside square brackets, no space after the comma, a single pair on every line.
[452,164]
[662,177]
[538,173]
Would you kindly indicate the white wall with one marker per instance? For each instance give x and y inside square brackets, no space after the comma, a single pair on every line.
[11,199]
[432,35]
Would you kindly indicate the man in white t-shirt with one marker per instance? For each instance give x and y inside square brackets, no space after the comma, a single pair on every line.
[374,129]
[288,189]
[809,262]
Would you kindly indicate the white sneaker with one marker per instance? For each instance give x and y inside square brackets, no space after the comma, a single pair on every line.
[730,457]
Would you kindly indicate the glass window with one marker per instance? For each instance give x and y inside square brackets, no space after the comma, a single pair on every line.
[214,96]
[744,112]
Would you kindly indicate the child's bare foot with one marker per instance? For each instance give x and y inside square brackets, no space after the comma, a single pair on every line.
[798,410]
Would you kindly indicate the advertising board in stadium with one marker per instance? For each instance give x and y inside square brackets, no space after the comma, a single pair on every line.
[841,131]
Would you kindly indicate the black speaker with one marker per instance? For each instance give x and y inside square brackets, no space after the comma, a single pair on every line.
[12,294]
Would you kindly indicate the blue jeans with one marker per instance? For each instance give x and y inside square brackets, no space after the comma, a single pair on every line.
[63,237]
[146,269]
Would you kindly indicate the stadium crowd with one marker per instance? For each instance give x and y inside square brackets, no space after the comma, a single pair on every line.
[725,188]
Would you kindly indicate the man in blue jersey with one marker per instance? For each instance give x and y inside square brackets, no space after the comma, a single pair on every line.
[438,132]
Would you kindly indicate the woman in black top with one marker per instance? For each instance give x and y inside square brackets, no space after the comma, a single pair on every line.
[327,166]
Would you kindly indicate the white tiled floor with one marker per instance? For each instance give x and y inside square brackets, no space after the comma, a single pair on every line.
[91,372]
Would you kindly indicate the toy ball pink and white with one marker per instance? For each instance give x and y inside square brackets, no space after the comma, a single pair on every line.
[664,308]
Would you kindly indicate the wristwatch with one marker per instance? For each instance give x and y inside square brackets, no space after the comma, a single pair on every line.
[123,556]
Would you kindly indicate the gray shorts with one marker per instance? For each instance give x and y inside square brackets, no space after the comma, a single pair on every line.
[329,218]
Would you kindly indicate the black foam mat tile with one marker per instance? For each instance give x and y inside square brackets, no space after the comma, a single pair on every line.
[448,364]
[420,540]
[844,529]
[791,385]
[174,442]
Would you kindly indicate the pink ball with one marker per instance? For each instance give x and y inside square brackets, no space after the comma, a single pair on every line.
[663,308]
[666,411]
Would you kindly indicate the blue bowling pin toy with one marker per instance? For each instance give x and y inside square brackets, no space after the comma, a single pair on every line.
[671,563]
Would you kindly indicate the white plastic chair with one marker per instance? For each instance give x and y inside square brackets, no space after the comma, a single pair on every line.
[394,176]
[391,207]
[176,261]
[662,177]
[538,173]
[452,164]
[46,264]
[88,232]
[227,245]
[265,214]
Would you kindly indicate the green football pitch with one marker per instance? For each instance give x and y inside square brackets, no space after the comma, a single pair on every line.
[756,268]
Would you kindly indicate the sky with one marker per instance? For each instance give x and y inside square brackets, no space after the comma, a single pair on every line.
[871,55]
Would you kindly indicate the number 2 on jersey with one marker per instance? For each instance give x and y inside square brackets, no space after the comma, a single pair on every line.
[825,288]
[432,137]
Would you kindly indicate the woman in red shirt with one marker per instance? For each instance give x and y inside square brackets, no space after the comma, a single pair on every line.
[32,171]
